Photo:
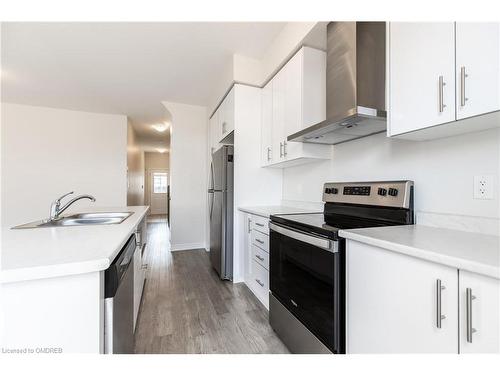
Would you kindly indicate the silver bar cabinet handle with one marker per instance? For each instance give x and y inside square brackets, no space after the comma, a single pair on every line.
[259,257]
[259,224]
[281,149]
[249,225]
[268,153]
[259,241]
[284,148]
[463,75]
[259,282]
[442,106]
[468,303]
[439,290]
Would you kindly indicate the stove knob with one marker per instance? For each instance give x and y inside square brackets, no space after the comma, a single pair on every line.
[393,192]
[382,191]
[335,191]
[328,191]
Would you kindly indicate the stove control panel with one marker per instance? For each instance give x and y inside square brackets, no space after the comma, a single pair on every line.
[357,190]
[383,193]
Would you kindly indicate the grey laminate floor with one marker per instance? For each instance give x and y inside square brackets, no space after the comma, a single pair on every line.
[187,309]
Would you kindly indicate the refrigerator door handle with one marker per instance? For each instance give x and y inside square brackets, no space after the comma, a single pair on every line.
[211,186]
[211,204]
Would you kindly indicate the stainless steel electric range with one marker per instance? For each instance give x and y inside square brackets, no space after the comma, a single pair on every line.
[307,260]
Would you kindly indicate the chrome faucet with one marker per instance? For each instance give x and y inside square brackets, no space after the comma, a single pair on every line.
[56,210]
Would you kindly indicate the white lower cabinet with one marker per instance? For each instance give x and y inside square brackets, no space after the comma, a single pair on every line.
[259,282]
[138,282]
[257,257]
[400,304]
[480,312]
[392,303]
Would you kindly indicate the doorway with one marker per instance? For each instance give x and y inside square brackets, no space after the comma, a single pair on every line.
[158,191]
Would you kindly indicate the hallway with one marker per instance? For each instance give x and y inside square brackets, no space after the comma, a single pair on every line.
[187,309]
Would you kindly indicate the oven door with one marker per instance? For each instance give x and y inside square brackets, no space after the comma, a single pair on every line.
[305,277]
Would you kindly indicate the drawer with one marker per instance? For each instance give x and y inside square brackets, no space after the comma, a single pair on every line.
[260,239]
[260,256]
[260,283]
[260,224]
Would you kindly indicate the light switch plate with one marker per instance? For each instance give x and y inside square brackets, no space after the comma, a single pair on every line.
[483,187]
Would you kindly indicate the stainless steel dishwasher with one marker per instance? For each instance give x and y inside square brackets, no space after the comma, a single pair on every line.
[119,302]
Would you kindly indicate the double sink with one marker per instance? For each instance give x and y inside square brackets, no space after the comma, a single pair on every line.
[90,218]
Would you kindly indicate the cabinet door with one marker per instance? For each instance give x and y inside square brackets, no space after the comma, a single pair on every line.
[482,318]
[278,131]
[421,75]
[477,68]
[267,124]
[247,228]
[213,133]
[393,303]
[226,114]
[138,282]
[293,104]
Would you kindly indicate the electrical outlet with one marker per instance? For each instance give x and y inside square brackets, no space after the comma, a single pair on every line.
[483,187]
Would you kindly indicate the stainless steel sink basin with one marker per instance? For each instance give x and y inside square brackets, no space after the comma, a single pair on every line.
[88,218]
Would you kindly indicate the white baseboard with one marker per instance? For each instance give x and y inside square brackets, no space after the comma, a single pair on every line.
[187,246]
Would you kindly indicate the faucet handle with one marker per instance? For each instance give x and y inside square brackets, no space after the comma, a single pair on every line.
[58,200]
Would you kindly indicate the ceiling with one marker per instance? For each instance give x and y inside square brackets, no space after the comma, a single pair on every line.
[124,68]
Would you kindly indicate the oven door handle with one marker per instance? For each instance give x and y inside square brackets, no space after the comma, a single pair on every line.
[323,243]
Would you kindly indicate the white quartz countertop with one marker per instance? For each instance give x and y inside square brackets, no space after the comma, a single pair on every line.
[467,251]
[28,254]
[267,211]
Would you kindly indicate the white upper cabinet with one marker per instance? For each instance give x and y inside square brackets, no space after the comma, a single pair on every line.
[214,133]
[267,123]
[439,73]
[278,125]
[226,115]
[477,68]
[421,75]
[480,313]
[297,97]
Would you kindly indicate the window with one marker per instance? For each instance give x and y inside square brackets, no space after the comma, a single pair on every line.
[159,183]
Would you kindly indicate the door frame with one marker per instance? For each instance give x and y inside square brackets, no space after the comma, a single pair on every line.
[149,175]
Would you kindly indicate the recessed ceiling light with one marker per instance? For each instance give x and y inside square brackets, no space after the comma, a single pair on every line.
[160,127]
[161,150]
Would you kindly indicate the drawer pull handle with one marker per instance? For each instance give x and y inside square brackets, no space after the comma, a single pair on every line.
[259,257]
[442,83]
[144,267]
[294,303]
[439,316]
[463,75]
[259,241]
[259,282]
[259,224]
[469,298]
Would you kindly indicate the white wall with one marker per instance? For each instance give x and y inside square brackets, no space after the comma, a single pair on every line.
[256,72]
[47,152]
[442,169]
[156,160]
[188,171]
[135,169]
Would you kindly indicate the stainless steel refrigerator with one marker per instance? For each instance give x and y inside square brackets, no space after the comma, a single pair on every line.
[220,198]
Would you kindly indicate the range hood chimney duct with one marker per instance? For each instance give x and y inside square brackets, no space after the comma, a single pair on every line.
[355,84]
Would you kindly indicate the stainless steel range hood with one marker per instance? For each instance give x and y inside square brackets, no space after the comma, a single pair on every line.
[355,84]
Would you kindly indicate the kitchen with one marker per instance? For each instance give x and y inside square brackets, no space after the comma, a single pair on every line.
[344,183]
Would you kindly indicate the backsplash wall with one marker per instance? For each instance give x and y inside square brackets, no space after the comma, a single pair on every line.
[442,169]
